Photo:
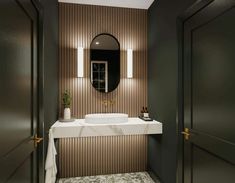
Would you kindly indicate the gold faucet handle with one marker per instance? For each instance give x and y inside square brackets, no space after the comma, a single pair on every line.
[112,102]
[105,102]
[108,102]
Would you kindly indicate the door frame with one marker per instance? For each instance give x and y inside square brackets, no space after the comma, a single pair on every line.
[40,125]
[197,6]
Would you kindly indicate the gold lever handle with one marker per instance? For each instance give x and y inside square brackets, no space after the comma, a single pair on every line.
[36,140]
[108,102]
[186,133]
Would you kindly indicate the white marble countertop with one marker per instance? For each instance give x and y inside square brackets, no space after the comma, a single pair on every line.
[79,128]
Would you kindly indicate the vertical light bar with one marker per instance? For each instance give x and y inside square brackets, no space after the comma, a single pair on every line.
[80,62]
[129,63]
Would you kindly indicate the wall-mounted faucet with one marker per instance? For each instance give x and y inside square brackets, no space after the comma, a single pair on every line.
[106,103]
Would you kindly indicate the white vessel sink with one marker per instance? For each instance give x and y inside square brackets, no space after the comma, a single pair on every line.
[106,118]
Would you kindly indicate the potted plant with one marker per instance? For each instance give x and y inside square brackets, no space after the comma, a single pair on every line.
[67,102]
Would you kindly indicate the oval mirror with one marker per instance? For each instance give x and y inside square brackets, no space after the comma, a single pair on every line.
[105,63]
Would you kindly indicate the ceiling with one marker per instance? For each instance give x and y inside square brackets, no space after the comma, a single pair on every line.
[138,4]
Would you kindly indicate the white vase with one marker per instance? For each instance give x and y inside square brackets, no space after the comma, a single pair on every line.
[67,113]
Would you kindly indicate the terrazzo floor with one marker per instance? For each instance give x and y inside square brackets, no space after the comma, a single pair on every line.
[137,177]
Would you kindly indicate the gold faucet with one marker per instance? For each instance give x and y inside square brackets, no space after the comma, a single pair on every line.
[108,102]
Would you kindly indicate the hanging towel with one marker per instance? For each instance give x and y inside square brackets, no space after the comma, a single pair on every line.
[50,165]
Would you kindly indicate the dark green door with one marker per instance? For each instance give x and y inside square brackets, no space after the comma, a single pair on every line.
[18,91]
[209,94]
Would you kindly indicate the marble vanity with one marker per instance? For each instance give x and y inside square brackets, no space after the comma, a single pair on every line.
[94,146]
[79,128]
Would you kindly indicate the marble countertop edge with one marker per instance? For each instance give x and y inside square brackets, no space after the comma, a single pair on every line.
[79,128]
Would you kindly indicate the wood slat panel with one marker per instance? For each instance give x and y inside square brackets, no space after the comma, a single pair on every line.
[78,25]
[102,155]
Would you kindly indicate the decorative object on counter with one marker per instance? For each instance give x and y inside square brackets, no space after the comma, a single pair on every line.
[145,118]
[145,114]
[67,102]
[67,120]
[142,112]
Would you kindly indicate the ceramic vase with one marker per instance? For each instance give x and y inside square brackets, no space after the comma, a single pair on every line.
[67,113]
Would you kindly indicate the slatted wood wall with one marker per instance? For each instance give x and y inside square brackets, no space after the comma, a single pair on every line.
[102,155]
[78,25]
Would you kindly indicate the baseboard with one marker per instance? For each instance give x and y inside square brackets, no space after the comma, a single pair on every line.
[154,177]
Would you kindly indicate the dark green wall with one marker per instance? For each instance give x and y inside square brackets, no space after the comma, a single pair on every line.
[51,65]
[162,84]
[51,61]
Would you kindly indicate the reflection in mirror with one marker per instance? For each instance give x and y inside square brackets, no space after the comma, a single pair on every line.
[105,63]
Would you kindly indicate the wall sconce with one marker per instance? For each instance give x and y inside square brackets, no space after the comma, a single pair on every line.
[129,63]
[80,62]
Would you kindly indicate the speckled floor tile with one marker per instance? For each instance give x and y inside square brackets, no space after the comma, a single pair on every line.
[137,177]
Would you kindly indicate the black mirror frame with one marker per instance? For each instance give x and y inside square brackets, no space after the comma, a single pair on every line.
[119,59]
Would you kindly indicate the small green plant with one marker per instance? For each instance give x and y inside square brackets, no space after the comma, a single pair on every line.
[66,99]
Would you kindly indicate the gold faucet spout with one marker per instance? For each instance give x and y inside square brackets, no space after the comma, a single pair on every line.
[108,102]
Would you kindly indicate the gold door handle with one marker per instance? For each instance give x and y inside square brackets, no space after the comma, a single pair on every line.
[186,133]
[36,140]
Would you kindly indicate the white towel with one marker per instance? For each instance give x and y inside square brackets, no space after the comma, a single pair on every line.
[50,165]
